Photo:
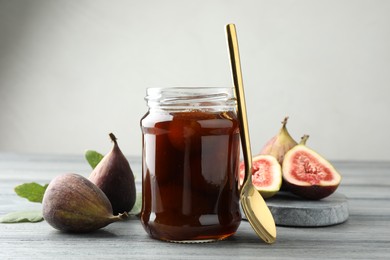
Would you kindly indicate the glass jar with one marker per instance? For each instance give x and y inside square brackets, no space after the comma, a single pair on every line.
[191,149]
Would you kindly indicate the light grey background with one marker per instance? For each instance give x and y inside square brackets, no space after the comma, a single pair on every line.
[72,71]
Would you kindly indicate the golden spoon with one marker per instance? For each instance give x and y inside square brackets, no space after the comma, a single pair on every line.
[252,203]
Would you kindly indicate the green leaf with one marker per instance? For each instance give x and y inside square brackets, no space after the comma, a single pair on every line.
[31,191]
[22,216]
[137,205]
[93,158]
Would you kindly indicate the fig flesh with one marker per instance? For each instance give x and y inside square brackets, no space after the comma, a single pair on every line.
[72,203]
[307,174]
[280,144]
[266,175]
[115,178]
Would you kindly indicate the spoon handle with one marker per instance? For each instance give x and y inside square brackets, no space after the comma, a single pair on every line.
[241,107]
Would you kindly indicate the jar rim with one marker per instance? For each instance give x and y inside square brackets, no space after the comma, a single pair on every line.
[188,90]
[184,97]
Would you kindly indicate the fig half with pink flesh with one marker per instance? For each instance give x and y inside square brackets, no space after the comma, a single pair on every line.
[266,175]
[307,174]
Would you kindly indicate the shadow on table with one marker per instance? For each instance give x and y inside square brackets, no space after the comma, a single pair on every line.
[101,233]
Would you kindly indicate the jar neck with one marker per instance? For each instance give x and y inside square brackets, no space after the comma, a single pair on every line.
[191,98]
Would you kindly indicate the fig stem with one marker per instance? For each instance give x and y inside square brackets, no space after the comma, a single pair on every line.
[284,122]
[113,138]
[120,216]
[123,215]
[304,139]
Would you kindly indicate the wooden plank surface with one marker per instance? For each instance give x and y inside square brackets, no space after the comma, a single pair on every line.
[366,234]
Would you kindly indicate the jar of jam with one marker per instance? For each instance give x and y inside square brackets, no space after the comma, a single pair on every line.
[191,149]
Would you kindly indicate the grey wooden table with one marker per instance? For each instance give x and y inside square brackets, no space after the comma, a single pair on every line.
[366,234]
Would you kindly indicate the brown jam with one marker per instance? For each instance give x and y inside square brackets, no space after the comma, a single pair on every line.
[190,175]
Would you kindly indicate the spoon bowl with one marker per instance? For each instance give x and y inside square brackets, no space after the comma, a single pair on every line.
[252,203]
[261,219]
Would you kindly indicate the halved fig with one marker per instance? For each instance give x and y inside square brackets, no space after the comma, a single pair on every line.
[266,175]
[307,174]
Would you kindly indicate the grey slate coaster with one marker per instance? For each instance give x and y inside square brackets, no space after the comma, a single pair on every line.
[290,210]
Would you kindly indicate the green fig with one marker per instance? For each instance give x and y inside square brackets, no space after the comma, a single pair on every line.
[72,203]
[115,178]
[280,144]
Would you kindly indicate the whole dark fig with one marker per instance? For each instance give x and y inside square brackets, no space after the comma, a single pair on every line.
[115,178]
[72,203]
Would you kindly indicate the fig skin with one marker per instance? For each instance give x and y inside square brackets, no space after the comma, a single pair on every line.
[320,178]
[313,192]
[280,144]
[72,203]
[115,178]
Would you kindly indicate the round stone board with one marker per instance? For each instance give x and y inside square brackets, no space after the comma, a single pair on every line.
[290,210]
